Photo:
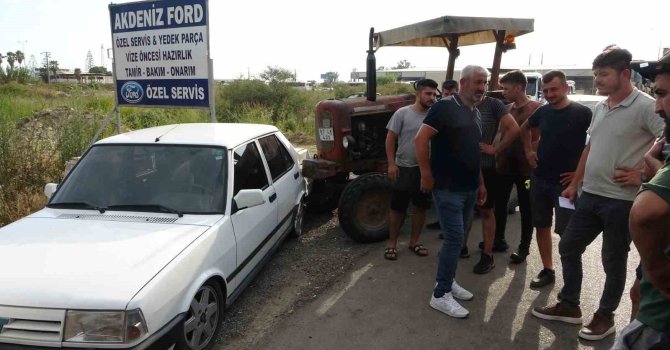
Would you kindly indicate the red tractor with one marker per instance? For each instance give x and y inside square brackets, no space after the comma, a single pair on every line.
[348,170]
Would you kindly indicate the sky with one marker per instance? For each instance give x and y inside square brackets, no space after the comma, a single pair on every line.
[315,37]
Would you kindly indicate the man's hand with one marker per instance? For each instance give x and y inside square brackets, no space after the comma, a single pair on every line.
[627,176]
[652,158]
[427,182]
[487,149]
[393,172]
[481,195]
[570,193]
[566,178]
[531,157]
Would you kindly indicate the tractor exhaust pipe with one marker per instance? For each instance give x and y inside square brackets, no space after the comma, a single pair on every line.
[371,71]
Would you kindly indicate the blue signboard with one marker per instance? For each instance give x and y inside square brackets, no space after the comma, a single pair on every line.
[161,53]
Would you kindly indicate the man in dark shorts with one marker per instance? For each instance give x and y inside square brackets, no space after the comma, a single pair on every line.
[447,150]
[494,114]
[561,128]
[513,167]
[403,169]
[623,128]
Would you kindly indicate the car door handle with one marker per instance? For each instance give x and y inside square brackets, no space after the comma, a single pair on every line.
[273,197]
[295,176]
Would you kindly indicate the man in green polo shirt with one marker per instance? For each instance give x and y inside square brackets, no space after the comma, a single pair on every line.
[650,230]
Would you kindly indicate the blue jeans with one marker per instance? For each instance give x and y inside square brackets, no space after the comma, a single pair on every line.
[453,211]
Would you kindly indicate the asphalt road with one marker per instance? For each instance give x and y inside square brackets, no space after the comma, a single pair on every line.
[380,304]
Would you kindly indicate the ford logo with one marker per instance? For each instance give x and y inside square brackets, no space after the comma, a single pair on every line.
[132,92]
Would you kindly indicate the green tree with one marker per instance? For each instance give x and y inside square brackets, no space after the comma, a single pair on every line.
[331,78]
[277,75]
[77,74]
[381,68]
[20,56]
[403,64]
[98,70]
[53,67]
[11,58]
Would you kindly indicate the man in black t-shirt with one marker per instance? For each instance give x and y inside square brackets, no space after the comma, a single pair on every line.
[452,130]
[560,126]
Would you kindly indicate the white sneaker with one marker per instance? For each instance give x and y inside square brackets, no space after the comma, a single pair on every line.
[460,292]
[448,305]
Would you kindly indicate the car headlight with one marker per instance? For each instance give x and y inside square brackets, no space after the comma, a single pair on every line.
[104,326]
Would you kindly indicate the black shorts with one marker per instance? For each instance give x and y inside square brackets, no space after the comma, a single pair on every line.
[408,187]
[544,201]
[492,184]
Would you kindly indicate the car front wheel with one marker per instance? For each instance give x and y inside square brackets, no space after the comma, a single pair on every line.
[203,319]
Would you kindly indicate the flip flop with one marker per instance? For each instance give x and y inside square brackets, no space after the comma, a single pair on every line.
[391,254]
[419,249]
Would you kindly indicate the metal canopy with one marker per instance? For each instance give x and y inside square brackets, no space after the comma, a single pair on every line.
[439,32]
[452,32]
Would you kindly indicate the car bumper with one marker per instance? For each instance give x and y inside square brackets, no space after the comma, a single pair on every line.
[164,339]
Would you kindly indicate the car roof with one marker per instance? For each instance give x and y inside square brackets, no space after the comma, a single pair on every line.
[211,134]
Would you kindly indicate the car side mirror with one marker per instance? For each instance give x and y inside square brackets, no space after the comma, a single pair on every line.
[50,189]
[248,199]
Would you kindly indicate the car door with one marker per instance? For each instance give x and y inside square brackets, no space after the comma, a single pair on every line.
[252,225]
[285,177]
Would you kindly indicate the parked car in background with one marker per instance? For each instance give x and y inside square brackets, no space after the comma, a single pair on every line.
[148,239]
[587,100]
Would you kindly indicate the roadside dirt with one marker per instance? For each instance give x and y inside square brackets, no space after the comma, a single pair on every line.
[300,270]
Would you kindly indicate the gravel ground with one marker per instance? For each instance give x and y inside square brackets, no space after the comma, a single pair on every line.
[300,270]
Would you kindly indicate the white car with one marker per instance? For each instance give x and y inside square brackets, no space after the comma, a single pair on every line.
[148,239]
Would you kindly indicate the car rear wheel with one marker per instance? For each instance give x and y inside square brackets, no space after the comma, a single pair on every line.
[364,208]
[203,319]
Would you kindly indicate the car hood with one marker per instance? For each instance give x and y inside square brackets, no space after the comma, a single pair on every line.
[92,264]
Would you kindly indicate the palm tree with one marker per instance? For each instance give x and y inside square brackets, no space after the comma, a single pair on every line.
[20,57]
[11,58]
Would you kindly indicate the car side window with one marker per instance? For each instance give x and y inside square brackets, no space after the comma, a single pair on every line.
[278,158]
[249,170]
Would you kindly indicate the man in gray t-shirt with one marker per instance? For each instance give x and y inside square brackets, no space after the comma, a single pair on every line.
[403,169]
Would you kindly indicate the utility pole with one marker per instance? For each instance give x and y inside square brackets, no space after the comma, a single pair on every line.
[102,56]
[46,61]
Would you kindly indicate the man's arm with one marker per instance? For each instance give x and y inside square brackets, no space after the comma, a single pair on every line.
[393,171]
[571,191]
[649,227]
[529,146]
[421,143]
[512,131]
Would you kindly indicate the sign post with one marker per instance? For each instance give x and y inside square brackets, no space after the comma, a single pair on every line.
[161,53]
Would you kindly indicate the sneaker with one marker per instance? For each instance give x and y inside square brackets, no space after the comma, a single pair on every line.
[464,253]
[498,245]
[518,256]
[460,293]
[600,327]
[448,305]
[433,225]
[485,264]
[559,312]
[544,278]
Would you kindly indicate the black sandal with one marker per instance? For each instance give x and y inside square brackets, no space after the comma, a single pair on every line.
[419,249]
[391,254]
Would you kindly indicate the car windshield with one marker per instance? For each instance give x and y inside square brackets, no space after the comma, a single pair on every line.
[531,87]
[155,178]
